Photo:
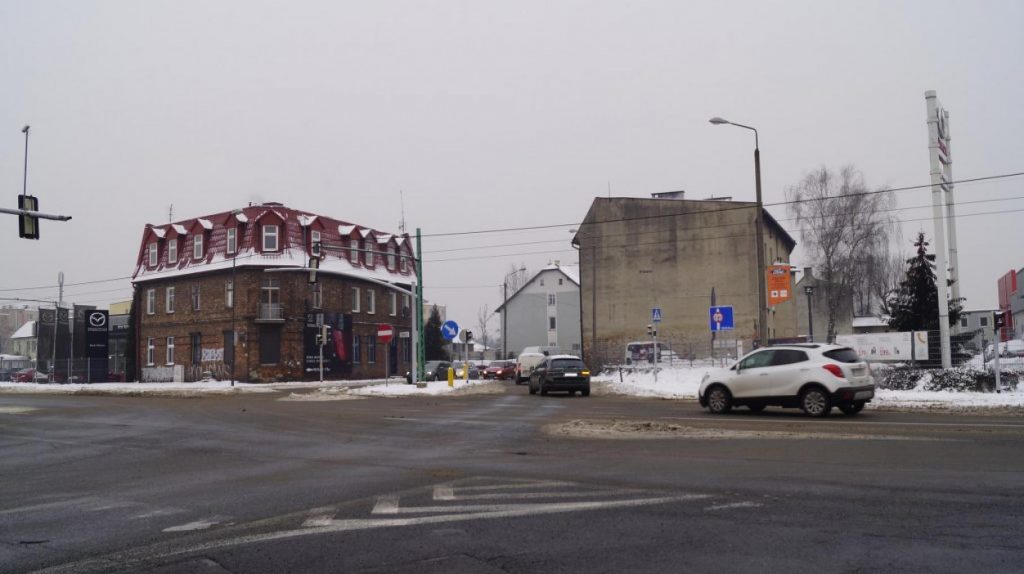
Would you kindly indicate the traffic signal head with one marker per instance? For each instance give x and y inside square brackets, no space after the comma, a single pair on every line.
[469,335]
[1000,319]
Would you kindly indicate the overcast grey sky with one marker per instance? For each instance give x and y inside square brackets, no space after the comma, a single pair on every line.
[487,115]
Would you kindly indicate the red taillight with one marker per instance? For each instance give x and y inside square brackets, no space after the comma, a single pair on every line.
[835,370]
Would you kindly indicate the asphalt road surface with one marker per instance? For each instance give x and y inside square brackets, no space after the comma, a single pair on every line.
[479,483]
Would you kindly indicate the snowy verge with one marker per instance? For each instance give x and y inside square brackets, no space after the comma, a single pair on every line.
[435,388]
[196,389]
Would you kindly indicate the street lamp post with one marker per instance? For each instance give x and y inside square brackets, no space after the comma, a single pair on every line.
[762,287]
[809,289]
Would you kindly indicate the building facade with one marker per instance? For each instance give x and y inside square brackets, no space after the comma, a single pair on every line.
[818,308]
[978,322]
[24,341]
[12,318]
[1009,297]
[544,312]
[230,295]
[676,255]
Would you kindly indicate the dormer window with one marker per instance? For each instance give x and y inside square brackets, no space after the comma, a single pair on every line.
[270,238]
[403,264]
[392,256]
[367,254]
[197,246]
[232,240]
[353,254]
[153,258]
[314,245]
[172,250]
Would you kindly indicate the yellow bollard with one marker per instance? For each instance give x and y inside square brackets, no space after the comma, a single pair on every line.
[451,377]
[465,372]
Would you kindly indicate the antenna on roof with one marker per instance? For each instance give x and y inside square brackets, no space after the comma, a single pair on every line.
[170,214]
[401,199]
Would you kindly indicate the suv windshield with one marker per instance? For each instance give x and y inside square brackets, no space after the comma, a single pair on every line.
[567,364]
[844,355]
[433,365]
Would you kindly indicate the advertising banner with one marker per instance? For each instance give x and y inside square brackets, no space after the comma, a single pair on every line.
[338,348]
[892,347]
[97,344]
[780,289]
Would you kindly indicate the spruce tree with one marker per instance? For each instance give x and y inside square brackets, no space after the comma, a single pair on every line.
[915,305]
[434,342]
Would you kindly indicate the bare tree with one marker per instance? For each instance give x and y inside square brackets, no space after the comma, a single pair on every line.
[482,316]
[846,230]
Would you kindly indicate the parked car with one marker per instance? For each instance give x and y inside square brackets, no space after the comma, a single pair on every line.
[561,373]
[30,376]
[434,371]
[812,377]
[525,364]
[501,370]
[460,370]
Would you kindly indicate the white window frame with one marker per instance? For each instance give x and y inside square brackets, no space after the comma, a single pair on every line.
[172,250]
[232,240]
[552,300]
[371,302]
[367,253]
[392,257]
[353,255]
[169,355]
[274,235]
[150,301]
[169,300]
[393,303]
[403,263]
[229,294]
[356,295]
[150,351]
[197,246]
[154,258]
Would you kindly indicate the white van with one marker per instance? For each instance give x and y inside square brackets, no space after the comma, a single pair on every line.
[530,358]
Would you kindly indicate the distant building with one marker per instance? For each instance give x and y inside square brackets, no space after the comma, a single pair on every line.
[1011,301]
[978,322]
[201,281]
[819,308]
[24,341]
[637,254]
[865,325]
[11,319]
[545,311]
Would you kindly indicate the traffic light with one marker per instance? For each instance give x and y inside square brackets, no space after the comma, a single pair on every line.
[1000,320]
[469,336]
[314,264]
[28,225]
[323,336]
[652,330]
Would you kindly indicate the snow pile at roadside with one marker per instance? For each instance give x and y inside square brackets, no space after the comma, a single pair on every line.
[435,388]
[194,389]
[684,383]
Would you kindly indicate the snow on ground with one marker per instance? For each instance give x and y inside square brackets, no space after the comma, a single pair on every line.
[684,382]
[198,388]
[435,388]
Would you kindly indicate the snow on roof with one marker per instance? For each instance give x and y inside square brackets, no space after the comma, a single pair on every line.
[242,218]
[384,238]
[863,322]
[572,272]
[306,220]
[159,232]
[180,229]
[400,239]
[206,223]
[364,231]
[25,331]
[346,230]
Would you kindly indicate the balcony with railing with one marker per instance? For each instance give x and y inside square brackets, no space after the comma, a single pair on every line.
[270,313]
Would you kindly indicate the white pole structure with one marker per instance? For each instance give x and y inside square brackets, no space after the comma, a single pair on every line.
[414,337]
[937,153]
[947,174]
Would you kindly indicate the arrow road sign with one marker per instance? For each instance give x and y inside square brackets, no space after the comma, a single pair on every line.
[449,330]
[720,318]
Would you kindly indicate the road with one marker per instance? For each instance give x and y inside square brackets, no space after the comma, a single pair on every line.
[479,483]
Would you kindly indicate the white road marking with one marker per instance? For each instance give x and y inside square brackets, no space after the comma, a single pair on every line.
[488,508]
[11,410]
[734,505]
[444,492]
[529,495]
[386,505]
[320,516]
[527,484]
[57,504]
[158,512]
[195,525]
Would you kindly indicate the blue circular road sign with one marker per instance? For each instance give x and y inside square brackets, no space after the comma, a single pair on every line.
[449,330]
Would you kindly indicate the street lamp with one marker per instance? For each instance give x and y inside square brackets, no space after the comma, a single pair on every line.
[762,288]
[809,289]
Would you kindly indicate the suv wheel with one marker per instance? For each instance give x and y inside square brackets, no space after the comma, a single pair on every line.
[853,408]
[719,400]
[816,402]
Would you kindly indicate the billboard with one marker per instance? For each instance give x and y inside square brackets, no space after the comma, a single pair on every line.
[97,344]
[780,287]
[337,351]
[892,347]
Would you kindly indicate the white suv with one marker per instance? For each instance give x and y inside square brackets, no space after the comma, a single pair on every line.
[813,377]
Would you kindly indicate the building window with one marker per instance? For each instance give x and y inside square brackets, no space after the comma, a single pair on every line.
[314,243]
[150,351]
[170,350]
[541,282]
[229,294]
[403,263]
[355,299]
[963,321]
[551,299]
[559,281]
[172,250]
[152,255]
[270,238]
[270,299]
[270,345]
[232,239]
[353,254]
[367,254]
[150,301]
[169,303]
[357,351]
[406,309]
[551,323]
[318,296]
[196,340]
[393,304]
[371,349]
[983,321]
[392,256]
[197,246]
[195,297]
[371,301]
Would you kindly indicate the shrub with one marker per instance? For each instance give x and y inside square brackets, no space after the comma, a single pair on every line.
[898,378]
[962,379]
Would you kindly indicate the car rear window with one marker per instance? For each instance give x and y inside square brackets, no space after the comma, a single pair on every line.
[844,355]
[567,364]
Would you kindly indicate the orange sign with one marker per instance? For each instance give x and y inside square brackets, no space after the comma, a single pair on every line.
[780,289]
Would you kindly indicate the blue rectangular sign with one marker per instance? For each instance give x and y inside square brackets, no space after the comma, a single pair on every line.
[656,315]
[720,318]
